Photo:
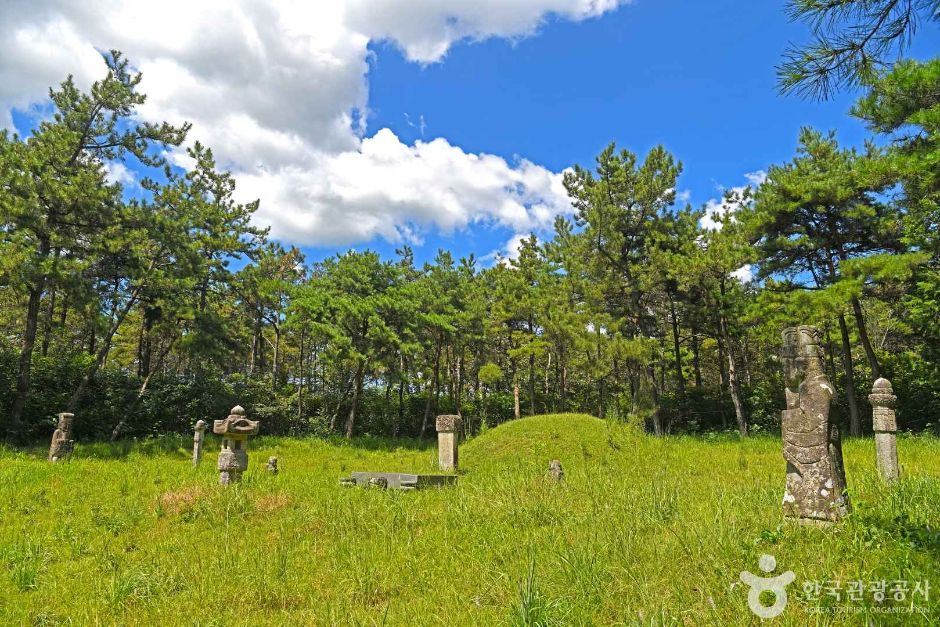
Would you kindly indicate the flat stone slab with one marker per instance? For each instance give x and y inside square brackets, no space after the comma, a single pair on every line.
[397,480]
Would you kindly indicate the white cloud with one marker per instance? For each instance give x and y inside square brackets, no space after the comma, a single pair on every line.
[718,208]
[744,274]
[278,90]
[116,172]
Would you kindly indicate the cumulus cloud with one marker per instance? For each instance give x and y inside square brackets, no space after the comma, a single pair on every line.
[279,90]
[718,208]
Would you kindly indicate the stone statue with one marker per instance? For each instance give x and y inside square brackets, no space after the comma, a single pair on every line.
[271,467]
[198,436]
[816,489]
[882,400]
[62,442]
[555,470]
[233,460]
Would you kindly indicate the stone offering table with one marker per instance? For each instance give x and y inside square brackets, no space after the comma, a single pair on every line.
[397,480]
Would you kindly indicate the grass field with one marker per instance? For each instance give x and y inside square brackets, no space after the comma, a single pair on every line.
[644,531]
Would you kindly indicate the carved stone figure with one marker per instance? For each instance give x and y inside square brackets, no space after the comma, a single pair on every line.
[198,436]
[447,428]
[555,470]
[233,459]
[882,400]
[816,489]
[62,442]
[271,467]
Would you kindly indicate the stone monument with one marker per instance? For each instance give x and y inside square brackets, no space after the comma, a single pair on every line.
[447,428]
[198,436]
[233,459]
[882,400]
[555,470]
[62,442]
[816,489]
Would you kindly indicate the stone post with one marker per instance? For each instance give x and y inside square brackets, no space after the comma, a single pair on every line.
[816,489]
[882,400]
[233,459]
[62,442]
[555,471]
[272,465]
[447,428]
[198,437]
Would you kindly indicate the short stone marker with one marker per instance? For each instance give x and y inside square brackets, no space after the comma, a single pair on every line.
[271,466]
[198,436]
[555,470]
[233,459]
[447,427]
[882,400]
[816,488]
[397,480]
[62,442]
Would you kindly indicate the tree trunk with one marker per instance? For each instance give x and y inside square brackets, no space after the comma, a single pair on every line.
[432,387]
[734,386]
[516,409]
[657,419]
[696,360]
[863,336]
[401,395]
[89,375]
[676,348]
[855,423]
[26,359]
[357,391]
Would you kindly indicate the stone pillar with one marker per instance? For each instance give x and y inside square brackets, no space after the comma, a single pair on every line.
[816,489]
[198,437]
[62,442]
[233,459]
[555,471]
[447,428]
[882,400]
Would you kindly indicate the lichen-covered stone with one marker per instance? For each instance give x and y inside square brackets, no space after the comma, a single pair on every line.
[199,435]
[448,423]
[62,442]
[233,459]
[816,487]
[885,424]
[271,466]
[555,470]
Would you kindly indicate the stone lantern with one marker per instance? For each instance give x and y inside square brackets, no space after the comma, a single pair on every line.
[233,459]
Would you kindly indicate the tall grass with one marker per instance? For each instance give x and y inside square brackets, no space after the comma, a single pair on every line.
[643,531]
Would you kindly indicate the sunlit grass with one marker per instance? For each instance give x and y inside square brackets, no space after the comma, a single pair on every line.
[643,531]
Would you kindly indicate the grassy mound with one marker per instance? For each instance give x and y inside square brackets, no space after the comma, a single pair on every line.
[643,531]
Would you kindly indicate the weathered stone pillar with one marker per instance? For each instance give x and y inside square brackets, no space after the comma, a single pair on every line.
[555,471]
[62,442]
[447,428]
[816,489]
[233,459]
[882,400]
[198,437]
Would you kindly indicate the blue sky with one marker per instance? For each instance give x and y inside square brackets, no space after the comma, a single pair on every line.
[697,77]
[473,108]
